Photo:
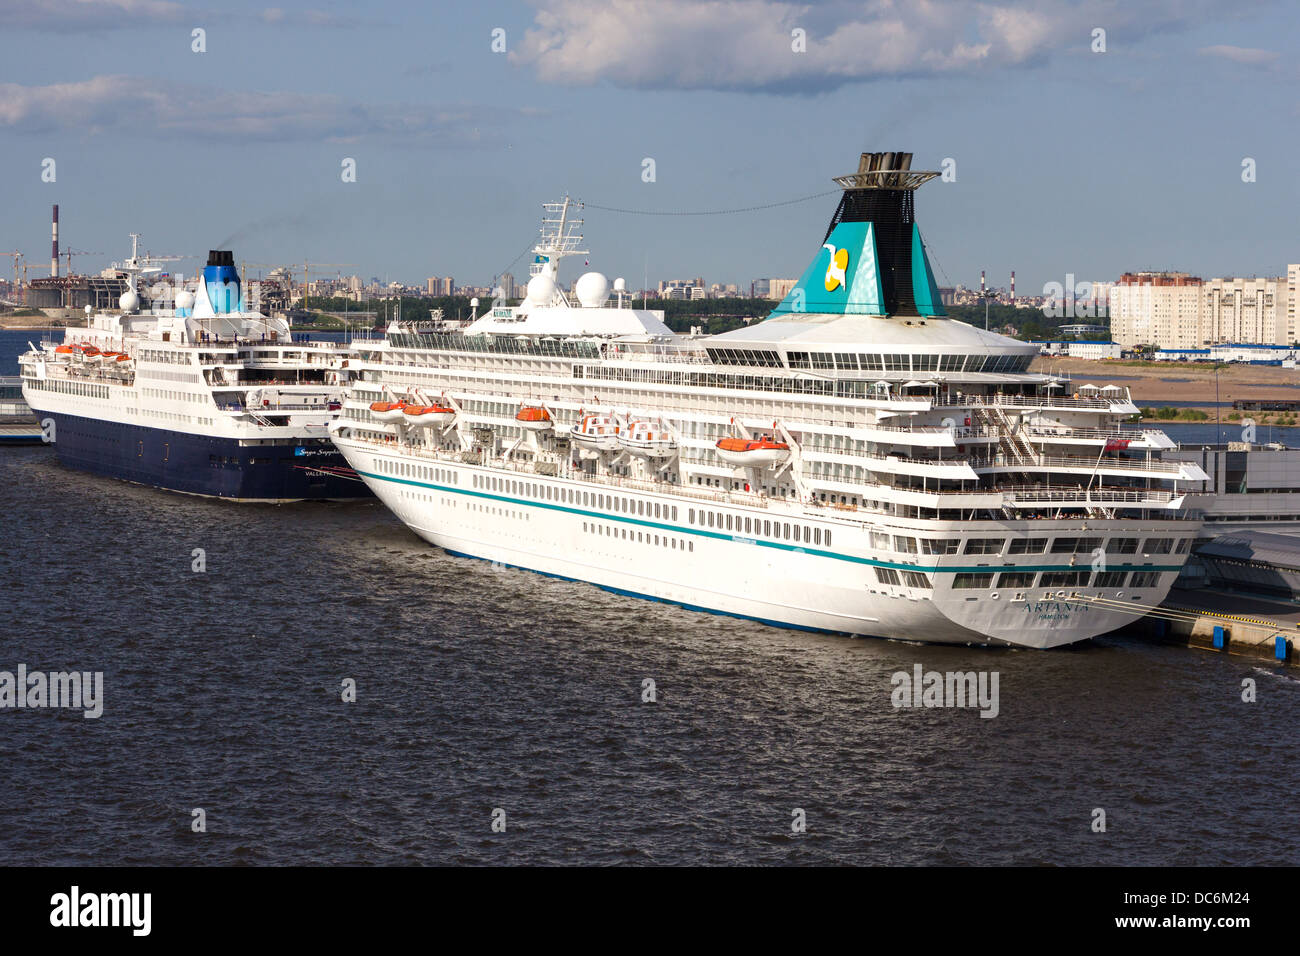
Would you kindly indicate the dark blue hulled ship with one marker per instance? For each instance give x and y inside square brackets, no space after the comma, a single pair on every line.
[193,392]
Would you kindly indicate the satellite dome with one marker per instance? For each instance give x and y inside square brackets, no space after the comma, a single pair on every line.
[620,285]
[541,289]
[592,290]
[128,301]
[185,299]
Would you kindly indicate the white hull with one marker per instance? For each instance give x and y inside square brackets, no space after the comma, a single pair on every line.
[671,560]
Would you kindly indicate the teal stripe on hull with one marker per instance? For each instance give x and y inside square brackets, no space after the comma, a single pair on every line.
[741,539]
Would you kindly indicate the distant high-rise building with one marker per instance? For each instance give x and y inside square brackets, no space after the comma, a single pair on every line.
[779,288]
[440,287]
[1176,310]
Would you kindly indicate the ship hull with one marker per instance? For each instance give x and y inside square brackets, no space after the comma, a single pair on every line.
[671,560]
[200,464]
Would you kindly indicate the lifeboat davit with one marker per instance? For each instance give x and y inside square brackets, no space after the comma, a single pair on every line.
[534,418]
[753,452]
[426,416]
[387,412]
[596,431]
[648,440]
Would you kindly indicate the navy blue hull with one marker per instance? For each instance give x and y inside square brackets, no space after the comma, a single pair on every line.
[200,465]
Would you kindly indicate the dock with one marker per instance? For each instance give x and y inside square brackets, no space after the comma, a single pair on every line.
[1225,622]
[18,425]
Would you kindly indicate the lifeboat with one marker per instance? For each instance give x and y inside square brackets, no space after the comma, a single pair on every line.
[596,431]
[534,418]
[426,416]
[387,411]
[67,349]
[753,452]
[648,440]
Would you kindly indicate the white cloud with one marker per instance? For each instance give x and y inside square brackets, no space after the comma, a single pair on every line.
[1241,54]
[141,106]
[746,44]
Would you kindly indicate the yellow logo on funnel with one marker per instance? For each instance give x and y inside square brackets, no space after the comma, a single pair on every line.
[835,270]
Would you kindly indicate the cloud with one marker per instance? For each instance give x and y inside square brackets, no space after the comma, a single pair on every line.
[747,44]
[1241,54]
[145,107]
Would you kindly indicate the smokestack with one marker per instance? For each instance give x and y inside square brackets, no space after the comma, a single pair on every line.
[1013,286]
[54,245]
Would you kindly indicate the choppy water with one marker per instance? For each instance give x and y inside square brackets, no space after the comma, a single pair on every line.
[482,689]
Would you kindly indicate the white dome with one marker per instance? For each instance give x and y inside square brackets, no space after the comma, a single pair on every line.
[592,290]
[620,285]
[128,301]
[541,289]
[185,299]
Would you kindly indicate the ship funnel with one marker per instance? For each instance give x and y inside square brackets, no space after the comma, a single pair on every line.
[221,282]
[872,260]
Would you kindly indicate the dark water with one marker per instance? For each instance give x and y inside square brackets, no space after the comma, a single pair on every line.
[482,689]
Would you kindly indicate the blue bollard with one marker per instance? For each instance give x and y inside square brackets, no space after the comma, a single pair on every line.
[1220,637]
[1281,648]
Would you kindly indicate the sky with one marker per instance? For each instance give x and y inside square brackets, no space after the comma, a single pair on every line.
[1067,158]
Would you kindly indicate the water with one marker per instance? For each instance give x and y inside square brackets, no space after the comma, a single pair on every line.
[482,689]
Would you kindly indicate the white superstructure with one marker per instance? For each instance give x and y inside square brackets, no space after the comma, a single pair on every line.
[856,463]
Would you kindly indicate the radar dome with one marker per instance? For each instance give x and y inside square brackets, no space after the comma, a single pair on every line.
[592,290]
[620,285]
[185,299]
[541,289]
[128,302]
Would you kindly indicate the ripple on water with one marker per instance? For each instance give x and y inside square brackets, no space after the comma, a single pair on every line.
[482,689]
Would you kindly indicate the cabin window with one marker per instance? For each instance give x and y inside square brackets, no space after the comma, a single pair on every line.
[1109,579]
[984,545]
[1158,546]
[1016,579]
[968,581]
[1063,579]
[887,576]
[817,536]
[1027,546]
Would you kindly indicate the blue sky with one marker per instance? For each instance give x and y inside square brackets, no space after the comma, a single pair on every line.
[1067,160]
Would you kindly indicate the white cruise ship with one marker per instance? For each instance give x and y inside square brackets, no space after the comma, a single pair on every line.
[199,395]
[856,463]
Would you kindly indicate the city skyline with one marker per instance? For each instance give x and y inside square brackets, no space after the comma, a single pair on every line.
[1065,160]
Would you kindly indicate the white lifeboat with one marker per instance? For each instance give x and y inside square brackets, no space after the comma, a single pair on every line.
[427,416]
[760,452]
[534,418]
[596,431]
[387,412]
[648,440]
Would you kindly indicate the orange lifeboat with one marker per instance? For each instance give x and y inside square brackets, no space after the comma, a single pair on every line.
[425,416]
[534,418]
[754,452]
[387,411]
[67,349]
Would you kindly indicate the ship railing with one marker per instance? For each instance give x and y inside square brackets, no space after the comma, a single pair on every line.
[1067,431]
[1037,401]
[236,407]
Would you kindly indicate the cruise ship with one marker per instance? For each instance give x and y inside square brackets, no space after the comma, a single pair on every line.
[194,394]
[855,463]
